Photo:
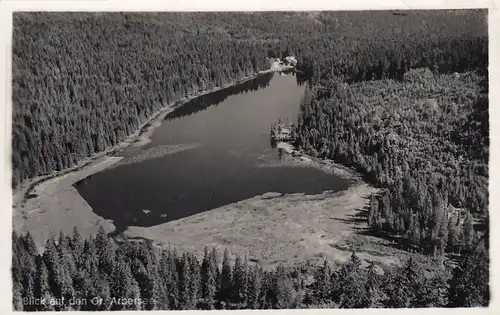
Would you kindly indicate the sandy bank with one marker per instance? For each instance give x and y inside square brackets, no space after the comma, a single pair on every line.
[56,205]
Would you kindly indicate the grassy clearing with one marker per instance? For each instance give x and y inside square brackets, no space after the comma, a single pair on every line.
[273,229]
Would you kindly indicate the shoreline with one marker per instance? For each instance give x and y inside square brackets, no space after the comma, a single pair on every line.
[316,227]
[297,158]
[319,226]
[139,138]
[56,205]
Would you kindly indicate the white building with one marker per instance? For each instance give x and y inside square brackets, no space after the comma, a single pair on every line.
[291,60]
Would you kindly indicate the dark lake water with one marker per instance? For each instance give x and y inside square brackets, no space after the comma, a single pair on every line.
[231,127]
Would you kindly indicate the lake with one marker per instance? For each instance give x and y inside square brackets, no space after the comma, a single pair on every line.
[230,130]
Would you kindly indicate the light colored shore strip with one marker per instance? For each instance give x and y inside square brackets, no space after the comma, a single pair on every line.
[58,206]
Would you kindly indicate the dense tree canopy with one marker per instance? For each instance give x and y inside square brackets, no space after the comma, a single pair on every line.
[144,277]
[409,137]
[82,82]
[414,121]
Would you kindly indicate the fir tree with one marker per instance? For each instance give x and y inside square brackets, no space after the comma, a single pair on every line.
[105,249]
[184,280]
[215,261]
[283,289]
[469,285]
[172,281]
[208,279]
[57,280]
[372,286]
[254,287]
[405,287]
[323,284]
[238,283]
[124,286]
[28,275]
[146,283]
[245,282]
[352,293]
[30,245]
[76,244]
[195,282]
[43,289]
[226,278]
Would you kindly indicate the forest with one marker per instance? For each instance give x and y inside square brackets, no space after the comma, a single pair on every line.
[402,99]
[139,276]
[83,82]
[414,121]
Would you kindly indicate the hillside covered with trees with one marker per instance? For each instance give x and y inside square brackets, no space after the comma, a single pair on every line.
[82,82]
[414,121]
[139,276]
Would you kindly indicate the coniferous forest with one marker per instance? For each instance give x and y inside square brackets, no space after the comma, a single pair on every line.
[400,98]
[82,82]
[99,274]
[417,128]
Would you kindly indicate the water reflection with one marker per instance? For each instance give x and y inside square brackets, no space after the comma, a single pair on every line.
[280,154]
[300,77]
[203,102]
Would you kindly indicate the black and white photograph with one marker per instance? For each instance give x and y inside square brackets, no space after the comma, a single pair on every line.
[264,160]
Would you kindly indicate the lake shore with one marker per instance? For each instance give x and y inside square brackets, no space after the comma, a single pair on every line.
[291,228]
[275,228]
[39,207]
[55,205]
[139,138]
